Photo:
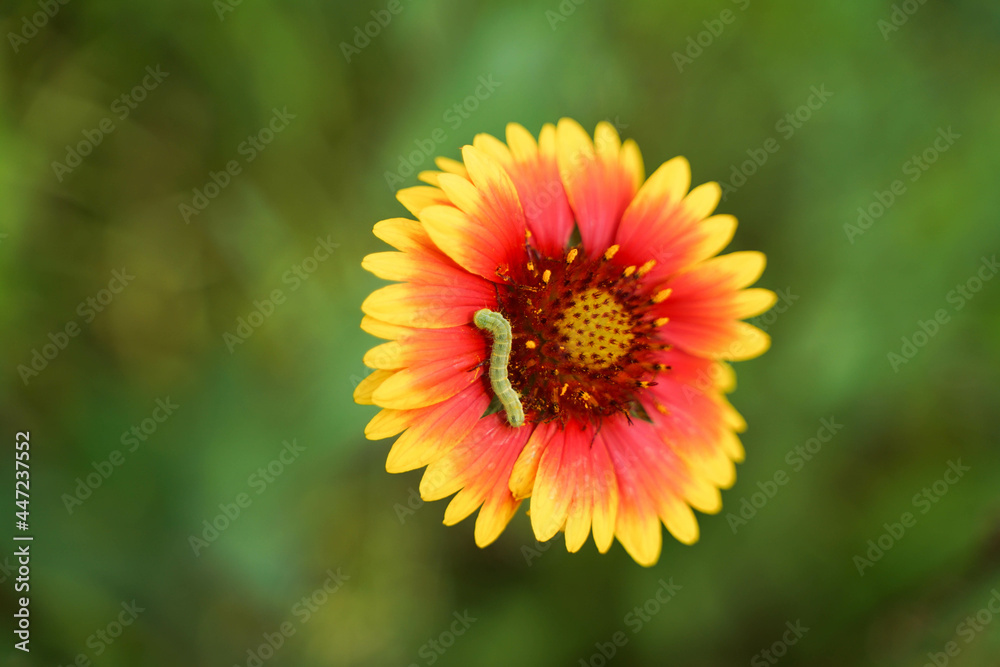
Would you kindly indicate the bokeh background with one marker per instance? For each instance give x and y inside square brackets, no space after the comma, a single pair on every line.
[331,516]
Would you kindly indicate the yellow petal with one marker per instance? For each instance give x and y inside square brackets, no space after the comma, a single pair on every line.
[669,183]
[732,446]
[429,384]
[382,329]
[401,233]
[605,500]
[717,232]
[754,301]
[702,495]
[549,500]
[522,145]
[752,342]
[388,423]
[715,466]
[493,518]
[701,201]
[419,197]
[681,523]
[640,534]
[430,177]
[386,356]
[463,504]
[451,166]
[607,143]
[578,519]
[631,159]
[493,147]
[366,388]
[522,477]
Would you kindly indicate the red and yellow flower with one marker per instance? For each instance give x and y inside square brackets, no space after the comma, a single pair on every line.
[623,320]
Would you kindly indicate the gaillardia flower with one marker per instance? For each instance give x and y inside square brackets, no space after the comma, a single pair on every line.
[620,319]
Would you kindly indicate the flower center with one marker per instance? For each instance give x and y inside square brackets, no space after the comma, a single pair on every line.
[596,329]
[585,341]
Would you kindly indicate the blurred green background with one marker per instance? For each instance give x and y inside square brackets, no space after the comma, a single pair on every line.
[328,514]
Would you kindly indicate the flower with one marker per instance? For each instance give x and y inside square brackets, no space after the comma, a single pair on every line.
[622,319]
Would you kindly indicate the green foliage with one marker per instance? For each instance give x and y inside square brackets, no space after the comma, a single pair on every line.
[237,156]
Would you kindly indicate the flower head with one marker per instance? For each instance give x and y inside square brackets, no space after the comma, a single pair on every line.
[620,319]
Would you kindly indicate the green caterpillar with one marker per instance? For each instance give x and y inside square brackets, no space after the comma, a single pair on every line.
[500,328]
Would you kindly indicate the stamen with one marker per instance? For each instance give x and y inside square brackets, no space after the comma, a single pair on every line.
[590,341]
[662,295]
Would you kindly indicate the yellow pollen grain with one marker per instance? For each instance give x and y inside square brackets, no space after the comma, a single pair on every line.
[531,345]
[546,276]
[660,321]
[661,408]
[610,252]
[662,295]
[564,388]
[647,267]
[571,255]
[531,267]
[629,271]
